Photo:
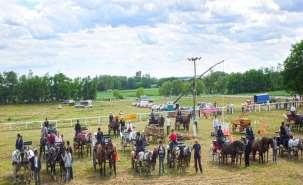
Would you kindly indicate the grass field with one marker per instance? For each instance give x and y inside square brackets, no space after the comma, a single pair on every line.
[284,172]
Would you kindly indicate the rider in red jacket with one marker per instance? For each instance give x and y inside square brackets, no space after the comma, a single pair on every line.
[173,139]
[51,138]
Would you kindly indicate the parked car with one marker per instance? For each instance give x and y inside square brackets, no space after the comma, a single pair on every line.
[84,104]
[69,102]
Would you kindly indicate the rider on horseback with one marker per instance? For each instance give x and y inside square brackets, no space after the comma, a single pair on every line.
[173,140]
[111,117]
[293,111]
[283,135]
[220,137]
[19,143]
[139,143]
[250,137]
[129,127]
[77,128]
[249,133]
[100,137]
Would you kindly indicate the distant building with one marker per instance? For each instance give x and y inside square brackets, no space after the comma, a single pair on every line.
[138,74]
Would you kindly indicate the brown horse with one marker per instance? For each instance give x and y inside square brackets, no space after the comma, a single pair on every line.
[261,146]
[104,153]
[82,141]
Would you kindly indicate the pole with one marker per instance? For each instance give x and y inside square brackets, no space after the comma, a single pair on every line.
[194,59]
[195,95]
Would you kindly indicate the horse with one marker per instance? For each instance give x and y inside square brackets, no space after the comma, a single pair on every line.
[114,126]
[43,147]
[54,156]
[294,146]
[184,120]
[22,160]
[144,161]
[106,152]
[81,141]
[183,158]
[157,120]
[179,157]
[261,146]
[234,149]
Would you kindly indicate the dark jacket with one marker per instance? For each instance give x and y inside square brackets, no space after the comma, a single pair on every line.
[161,152]
[250,134]
[99,137]
[139,144]
[220,133]
[78,128]
[32,161]
[282,131]
[19,144]
[197,149]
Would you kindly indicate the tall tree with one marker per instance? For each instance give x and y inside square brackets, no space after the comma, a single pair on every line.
[293,69]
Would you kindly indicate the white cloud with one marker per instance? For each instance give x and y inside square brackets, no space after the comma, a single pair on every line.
[122,36]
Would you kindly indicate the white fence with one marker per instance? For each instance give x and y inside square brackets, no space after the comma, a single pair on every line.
[99,120]
[85,121]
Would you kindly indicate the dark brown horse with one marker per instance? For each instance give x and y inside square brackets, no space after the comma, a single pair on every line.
[114,126]
[261,146]
[234,150]
[182,120]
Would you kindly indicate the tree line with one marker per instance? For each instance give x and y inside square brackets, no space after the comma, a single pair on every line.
[32,88]
[251,81]
[37,89]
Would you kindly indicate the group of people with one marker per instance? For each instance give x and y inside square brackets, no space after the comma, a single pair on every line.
[249,139]
[173,142]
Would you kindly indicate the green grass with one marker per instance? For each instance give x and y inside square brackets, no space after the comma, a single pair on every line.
[284,172]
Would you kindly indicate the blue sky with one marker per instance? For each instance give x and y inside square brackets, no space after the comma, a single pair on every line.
[119,37]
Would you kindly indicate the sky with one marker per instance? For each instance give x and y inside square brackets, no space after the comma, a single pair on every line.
[120,37]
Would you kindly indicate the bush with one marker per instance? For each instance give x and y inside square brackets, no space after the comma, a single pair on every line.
[140,92]
[117,94]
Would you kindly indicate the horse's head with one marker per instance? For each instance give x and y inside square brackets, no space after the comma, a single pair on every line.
[16,157]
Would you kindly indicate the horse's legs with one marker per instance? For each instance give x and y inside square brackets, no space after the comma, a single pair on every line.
[114,165]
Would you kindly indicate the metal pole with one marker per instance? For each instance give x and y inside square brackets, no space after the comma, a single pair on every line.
[194,59]
[195,94]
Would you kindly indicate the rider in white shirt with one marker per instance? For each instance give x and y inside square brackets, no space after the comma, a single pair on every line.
[129,127]
[216,124]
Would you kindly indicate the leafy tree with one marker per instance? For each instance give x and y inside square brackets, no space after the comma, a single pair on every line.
[293,69]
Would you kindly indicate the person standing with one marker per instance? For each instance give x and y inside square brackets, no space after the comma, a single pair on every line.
[249,139]
[197,156]
[161,154]
[36,167]
[67,164]
[70,149]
